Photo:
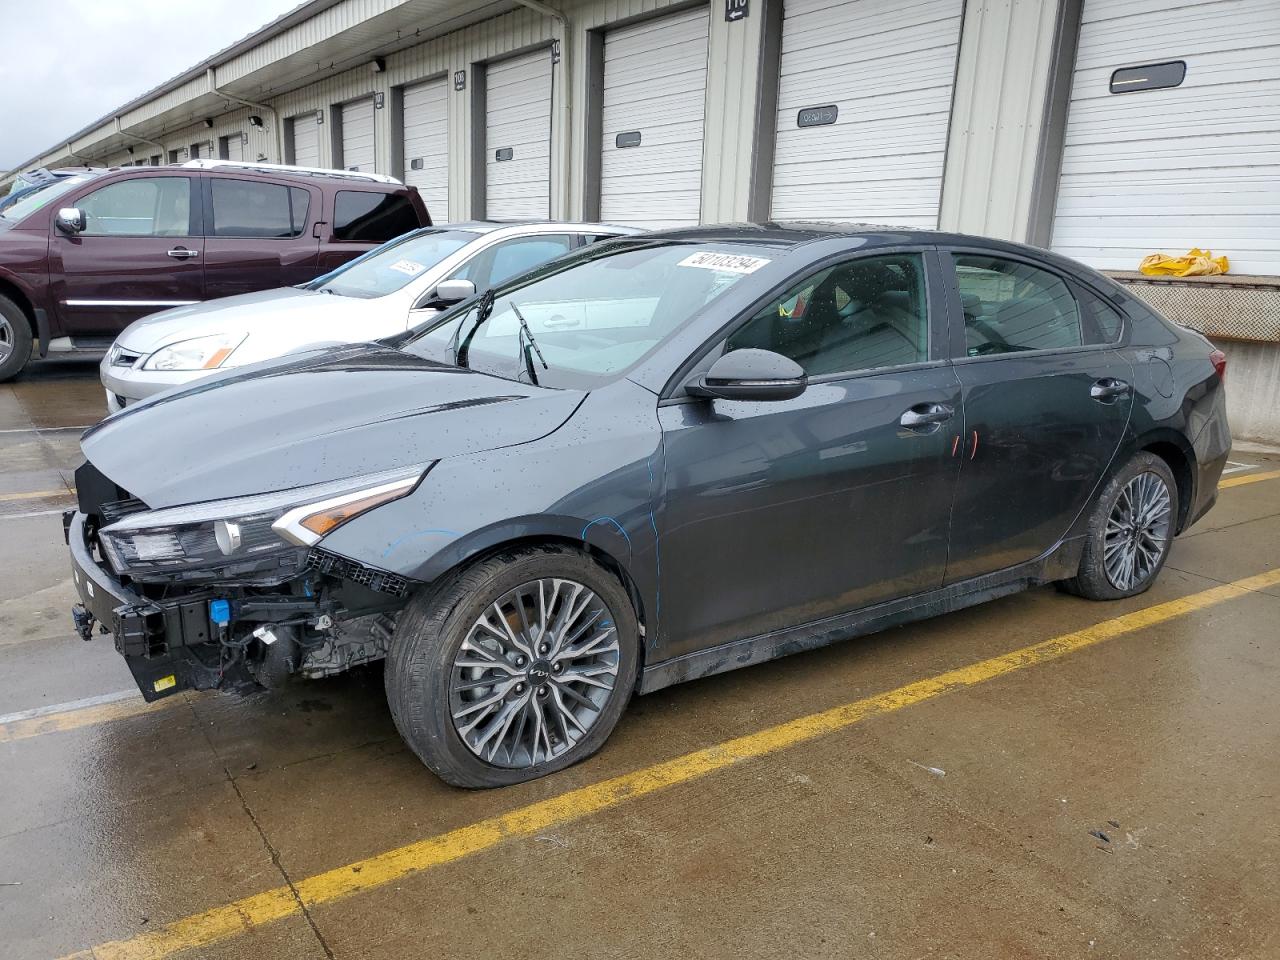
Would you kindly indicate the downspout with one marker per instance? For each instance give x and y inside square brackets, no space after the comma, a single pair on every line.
[275,117]
[75,156]
[566,74]
[125,133]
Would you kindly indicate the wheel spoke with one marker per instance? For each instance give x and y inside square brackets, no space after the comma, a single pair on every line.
[520,716]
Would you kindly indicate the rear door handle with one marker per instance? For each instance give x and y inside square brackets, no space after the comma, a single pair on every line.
[926,415]
[1109,388]
[182,253]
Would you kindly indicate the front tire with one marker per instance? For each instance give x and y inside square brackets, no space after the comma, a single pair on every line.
[1130,531]
[517,667]
[15,339]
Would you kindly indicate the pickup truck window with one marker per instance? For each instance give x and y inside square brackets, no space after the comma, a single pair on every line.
[361,216]
[248,208]
[140,207]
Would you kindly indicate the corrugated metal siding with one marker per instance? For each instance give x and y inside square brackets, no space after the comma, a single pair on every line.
[518,120]
[655,87]
[889,68]
[426,144]
[997,117]
[1193,165]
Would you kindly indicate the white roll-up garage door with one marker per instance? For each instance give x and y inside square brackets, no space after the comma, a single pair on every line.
[1167,169]
[518,137]
[306,140]
[426,145]
[231,147]
[357,136]
[655,87]
[201,151]
[864,101]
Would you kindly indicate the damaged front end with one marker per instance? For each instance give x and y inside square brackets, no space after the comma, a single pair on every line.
[232,593]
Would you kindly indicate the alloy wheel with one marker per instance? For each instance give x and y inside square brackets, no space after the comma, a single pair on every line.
[6,339]
[1137,533]
[534,673]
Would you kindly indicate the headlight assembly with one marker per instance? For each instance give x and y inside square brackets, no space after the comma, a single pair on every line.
[242,532]
[201,353]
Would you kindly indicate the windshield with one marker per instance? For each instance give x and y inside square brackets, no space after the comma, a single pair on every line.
[592,316]
[34,201]
[387,268]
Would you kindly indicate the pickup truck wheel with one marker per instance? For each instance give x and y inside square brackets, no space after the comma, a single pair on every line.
[1130,531]
[15,339]
[517,667]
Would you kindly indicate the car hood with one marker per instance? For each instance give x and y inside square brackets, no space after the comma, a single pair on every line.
[326,415]
[238,314]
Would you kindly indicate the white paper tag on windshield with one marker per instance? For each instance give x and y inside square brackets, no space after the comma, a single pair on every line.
[724,262]
[408,266]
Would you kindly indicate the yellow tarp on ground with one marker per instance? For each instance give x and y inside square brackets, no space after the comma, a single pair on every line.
[1197,263]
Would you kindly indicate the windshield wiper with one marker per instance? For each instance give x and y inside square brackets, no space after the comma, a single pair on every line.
[524,335]
[483,309]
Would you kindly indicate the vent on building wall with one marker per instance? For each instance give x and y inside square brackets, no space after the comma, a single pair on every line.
[1153,76]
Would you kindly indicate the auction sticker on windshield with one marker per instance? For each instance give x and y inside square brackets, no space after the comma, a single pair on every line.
[724,262]
[408,266]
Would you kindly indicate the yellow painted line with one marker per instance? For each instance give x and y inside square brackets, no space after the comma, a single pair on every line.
[1244,478]
[73,719]
[240,916]
[38,494]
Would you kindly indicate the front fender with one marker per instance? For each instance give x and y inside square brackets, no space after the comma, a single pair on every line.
[593,481]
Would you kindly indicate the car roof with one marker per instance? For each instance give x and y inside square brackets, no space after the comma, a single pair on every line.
[539,226]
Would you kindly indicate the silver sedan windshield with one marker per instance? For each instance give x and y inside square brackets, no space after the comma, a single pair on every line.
[394,264]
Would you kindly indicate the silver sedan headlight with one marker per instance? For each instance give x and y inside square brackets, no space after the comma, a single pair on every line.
[200,353]
[243,532]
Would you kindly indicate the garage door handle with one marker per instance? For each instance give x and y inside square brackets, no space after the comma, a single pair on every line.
[927,415]
[182,253]
[1108,389]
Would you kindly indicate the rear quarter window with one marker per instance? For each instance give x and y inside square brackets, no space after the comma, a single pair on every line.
[362,216]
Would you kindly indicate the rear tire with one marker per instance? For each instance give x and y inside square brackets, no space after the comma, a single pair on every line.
[15,339]
[1130,531]
[514,668]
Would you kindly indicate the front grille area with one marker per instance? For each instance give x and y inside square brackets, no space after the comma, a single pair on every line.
[322,561]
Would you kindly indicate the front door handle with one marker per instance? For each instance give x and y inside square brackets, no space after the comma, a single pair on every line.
[1109,388]
[182,253]
[926,415]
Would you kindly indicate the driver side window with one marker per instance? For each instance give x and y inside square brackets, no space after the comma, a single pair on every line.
[140,207]
[858,315]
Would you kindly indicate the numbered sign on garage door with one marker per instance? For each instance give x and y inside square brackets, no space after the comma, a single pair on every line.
[864,99]
[655,88]
[518,137]
[357,136]
[305,136]
[426,145]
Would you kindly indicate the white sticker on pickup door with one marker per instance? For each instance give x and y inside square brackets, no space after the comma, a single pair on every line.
[724,262]
[408,266]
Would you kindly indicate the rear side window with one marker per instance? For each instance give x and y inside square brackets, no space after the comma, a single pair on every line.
[140,207]
[360,216]
[1102,321]
[1011,306]
[249,208]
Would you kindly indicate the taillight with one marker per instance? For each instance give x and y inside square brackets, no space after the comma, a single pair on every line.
[1219,361]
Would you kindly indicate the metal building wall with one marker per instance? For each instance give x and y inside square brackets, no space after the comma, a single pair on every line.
[998,114]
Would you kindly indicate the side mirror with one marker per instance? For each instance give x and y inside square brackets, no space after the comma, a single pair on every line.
[449,292]
[71,220]
[751,375]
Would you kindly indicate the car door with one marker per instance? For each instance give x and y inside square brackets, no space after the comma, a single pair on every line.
[780,513]
[1046,403]
[258,235]
[141,251]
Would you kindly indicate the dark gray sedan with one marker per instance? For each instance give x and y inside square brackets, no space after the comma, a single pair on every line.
[661,458]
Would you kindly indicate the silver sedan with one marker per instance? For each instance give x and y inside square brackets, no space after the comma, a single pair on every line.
[376,295]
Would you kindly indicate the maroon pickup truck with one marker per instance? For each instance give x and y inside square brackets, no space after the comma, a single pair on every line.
[89,254]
